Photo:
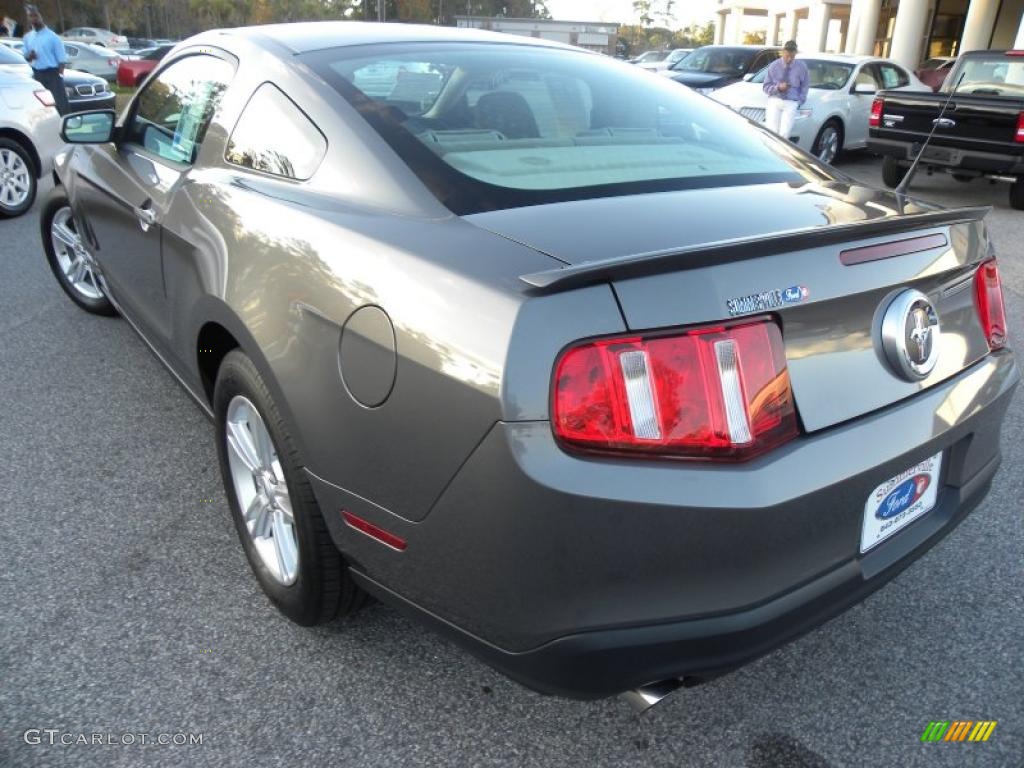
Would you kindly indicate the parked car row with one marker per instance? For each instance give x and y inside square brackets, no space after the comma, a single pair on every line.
[84,91]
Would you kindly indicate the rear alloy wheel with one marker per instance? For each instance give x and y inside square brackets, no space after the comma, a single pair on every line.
[1017,194]
[892,172]
[828,143]
[17,179]
[70,262]
[279,523]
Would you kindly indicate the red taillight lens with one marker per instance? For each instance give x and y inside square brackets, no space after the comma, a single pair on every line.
[708,393]
[1019,135]
[988,292]
[44,97]
[875,119]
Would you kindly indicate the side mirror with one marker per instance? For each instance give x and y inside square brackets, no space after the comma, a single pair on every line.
[864,88]
[88,127]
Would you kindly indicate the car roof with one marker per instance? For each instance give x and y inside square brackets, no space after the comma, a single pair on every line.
[844,58]
[742,47]
[302,37]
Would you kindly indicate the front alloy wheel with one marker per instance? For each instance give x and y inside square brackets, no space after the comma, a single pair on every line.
[69,260]
[828,142]
[17,179]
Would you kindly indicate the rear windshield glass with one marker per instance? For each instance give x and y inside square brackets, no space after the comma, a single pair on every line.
[827,75]
[490,126]
[995,75]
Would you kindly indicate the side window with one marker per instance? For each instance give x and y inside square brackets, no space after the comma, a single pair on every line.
[866,76]
[275,136]
[173,111]
[893,77]
[762,60]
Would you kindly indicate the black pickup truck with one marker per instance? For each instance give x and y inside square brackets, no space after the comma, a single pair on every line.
[979,135]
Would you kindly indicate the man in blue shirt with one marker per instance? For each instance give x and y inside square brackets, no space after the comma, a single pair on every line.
[786,84]
[44,50]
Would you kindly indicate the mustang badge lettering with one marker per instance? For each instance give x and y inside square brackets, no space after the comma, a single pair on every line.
[761,302]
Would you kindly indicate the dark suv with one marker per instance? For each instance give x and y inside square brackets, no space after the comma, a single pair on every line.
[716,66]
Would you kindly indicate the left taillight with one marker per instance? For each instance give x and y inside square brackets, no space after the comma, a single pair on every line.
[720,392]
[875,118]
[44,97]
[1019,135]
[988,295]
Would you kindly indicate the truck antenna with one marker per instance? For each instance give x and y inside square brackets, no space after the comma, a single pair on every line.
[901,189]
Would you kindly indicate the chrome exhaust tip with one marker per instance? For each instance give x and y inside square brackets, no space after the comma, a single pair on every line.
[646,696]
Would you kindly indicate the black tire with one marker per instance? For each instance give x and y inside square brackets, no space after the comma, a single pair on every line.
[323,588]
[892,172]
[20,157]
[829,129]
[1017,195]
[57,203]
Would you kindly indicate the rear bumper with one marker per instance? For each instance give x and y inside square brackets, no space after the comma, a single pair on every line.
[950,157]
[603,663]
[585,578]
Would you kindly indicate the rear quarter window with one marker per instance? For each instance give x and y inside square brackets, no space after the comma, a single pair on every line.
[274,136]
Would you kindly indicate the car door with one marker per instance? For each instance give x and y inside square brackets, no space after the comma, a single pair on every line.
[860,104]
[130,183]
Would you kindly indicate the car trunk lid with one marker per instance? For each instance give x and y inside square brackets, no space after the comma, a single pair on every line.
[826,260]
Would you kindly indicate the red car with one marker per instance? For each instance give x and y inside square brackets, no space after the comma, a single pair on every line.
[131,72]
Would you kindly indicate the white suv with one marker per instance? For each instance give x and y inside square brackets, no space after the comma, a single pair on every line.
[29,138]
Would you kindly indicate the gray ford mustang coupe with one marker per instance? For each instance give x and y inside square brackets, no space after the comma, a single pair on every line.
[582,369]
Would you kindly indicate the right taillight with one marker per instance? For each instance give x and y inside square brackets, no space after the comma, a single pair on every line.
[875,119]
[719,392]
[988,293]
[1019,135]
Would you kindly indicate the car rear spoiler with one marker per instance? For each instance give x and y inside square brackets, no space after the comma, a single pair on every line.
[738,249]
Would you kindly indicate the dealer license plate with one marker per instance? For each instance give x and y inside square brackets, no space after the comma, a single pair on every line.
[899,501]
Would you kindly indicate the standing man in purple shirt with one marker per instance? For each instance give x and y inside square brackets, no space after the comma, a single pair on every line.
[786,84]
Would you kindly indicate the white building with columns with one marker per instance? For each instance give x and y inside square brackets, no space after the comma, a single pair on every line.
[906,30]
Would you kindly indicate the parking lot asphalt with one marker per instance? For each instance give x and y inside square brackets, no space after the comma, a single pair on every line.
[128,607]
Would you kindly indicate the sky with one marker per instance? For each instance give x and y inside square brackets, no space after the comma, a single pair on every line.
[686,11]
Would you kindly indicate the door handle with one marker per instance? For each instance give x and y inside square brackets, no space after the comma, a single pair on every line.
[146,215]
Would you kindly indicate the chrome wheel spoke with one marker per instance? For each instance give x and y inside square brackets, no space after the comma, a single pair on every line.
[284,546]
[64,235]
[284,503]
[264,447]
[241,441]
[258,517]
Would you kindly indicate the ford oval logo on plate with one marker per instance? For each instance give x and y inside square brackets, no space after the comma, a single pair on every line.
[899,501]
[903,496]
